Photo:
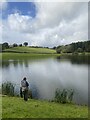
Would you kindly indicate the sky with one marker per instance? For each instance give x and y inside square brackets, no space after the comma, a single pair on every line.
[45,24]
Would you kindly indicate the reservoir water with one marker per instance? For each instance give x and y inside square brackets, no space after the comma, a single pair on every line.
[46,75]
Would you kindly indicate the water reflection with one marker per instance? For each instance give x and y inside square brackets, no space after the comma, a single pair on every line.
[76,59]
[45,76]
[72,59]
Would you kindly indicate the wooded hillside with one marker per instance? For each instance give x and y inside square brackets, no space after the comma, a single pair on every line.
[74,47]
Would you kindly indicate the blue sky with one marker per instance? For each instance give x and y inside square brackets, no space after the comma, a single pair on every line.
[44,23]
[24,8]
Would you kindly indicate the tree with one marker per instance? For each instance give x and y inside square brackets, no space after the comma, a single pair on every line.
[59,49]
[79,50]
[74,47]
[25,43]
[5,45]
[0,47]
[20,45]
[54,47]
[15,45]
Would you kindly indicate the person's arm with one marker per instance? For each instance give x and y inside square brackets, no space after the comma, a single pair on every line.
[27,84]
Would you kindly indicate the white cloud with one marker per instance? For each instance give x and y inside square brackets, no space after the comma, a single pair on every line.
[19,22]
[3,4]
[54,24]
[50,14]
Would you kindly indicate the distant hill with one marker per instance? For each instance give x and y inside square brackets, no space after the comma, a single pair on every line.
[77,47]
[74,47]
[28,49]
[0,47]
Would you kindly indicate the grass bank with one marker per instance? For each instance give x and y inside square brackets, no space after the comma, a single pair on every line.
[18,56]
[15,107]
[27,53]
[29,49]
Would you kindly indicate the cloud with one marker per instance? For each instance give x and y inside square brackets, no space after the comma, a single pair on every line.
[55,24]
[3,4]
[19,22]
[50,14]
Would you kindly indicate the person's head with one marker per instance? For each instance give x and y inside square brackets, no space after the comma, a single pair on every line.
[24,78]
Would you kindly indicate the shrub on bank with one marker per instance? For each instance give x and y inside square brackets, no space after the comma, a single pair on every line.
[8,89]
[64,96]
[61,96]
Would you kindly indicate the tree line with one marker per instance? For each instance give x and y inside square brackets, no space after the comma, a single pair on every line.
[70,48]
[6,45]
[74,47]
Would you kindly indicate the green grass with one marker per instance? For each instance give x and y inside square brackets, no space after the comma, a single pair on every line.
[0,107]
[24,56]
[27,53]
[31,50]
[17,53]
[15,107]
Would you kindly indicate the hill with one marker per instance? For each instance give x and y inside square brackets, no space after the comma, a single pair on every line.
[77,47]
[28,49]
[17,53]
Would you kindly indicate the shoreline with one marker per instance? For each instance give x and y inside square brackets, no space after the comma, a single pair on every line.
[10,55]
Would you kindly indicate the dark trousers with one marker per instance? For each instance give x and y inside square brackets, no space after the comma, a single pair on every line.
[21,93]
[24,93]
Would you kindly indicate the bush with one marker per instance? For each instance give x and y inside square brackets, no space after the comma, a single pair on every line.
[5,46]
[29,94]
[64,96]
[0,90]
[8,89]
[15,45]
[20,45]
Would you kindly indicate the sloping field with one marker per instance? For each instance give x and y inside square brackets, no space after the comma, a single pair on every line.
[30,50]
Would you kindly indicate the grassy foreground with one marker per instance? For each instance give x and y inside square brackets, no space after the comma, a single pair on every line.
[15,107]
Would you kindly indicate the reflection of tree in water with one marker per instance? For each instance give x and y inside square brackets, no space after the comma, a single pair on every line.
[58,58]
[26,63]
[80,59]
[0,63]
[23,62]
[20,62]
[5,64]
[76,59]
[15,63]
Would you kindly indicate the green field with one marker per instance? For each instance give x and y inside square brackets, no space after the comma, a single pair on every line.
[25,56]
[27,53]
[17,53]
[30,50]
[15,107]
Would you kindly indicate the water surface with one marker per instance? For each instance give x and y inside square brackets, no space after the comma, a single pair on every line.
[46,75]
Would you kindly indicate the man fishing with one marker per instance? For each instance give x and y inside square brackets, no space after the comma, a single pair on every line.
[24,89]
